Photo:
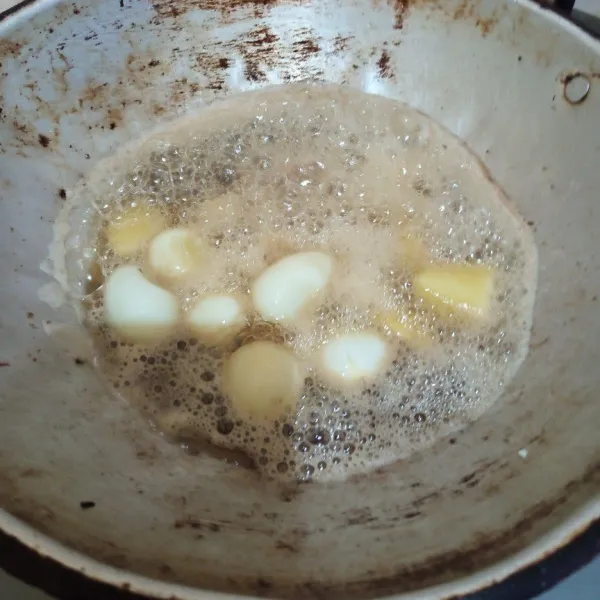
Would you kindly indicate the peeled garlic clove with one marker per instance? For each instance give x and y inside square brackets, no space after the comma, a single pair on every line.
[175,253]
[216,314]
[133,229]
[262,380]
[136,308]
[286,286]
[459,290]
[354,356]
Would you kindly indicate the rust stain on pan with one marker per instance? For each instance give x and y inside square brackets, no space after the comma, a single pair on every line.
[466,10]
[175,9]
[259,49]
[401,8]
[384,65]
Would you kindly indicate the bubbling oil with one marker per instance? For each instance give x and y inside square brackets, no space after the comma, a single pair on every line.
[264,174]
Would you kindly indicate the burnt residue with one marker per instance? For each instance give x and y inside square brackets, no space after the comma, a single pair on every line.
[340,43]
[258,47]
[539,344]
[173,9]
[401,11]
[31,473]
[486,25]
[463,562]
[383,64]
[182,88]
[486,469]
[306,47]
[263,584]
[253,72]
[213,67]
[111,101]
[465,10]
[86,504]
[360,516]
[197,525]
[62,193]
[4,363]
[470,10]
[261,36]
[20,127]
[10,48]
[478,554]
[412,515]
[108,101]
[260,50]
[23,135]
[286,546]
[196,446]
[147,454]
[421,501]
[468,478]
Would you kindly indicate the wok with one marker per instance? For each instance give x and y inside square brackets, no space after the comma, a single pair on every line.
[85,481]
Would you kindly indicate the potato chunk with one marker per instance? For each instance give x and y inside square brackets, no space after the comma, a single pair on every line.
[134,228]
[457,290]
[411,327]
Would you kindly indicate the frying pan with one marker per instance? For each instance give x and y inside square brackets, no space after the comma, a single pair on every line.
[85,481]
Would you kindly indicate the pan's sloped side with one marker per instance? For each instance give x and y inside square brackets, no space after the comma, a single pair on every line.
[79,468]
